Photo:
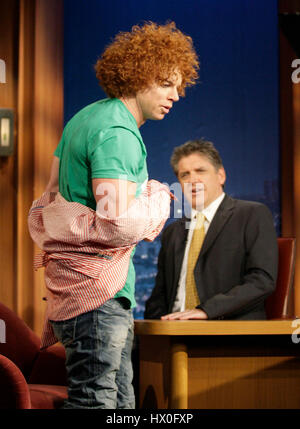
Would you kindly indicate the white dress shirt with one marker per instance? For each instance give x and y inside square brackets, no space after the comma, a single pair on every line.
[209,212]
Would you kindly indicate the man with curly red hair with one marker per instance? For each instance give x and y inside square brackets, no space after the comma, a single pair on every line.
[101,162]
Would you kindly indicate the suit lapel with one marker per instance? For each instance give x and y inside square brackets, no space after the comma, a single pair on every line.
[179,248]
[222,215]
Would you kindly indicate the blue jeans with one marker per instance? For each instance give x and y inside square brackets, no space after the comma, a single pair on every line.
[98,357]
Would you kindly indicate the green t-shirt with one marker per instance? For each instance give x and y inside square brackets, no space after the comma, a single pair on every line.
[101,141]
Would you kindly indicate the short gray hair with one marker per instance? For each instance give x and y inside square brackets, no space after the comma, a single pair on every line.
[201,146]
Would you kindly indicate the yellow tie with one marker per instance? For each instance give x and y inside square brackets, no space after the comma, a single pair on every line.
[191,294]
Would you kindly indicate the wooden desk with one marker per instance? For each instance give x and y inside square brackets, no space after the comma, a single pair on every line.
[218,364]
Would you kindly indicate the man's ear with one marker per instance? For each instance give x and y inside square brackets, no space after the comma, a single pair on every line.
[222,175]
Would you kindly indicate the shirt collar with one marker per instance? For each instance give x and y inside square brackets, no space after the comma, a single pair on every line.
[210,210]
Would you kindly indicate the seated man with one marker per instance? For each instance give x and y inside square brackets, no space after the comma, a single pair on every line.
[223,263]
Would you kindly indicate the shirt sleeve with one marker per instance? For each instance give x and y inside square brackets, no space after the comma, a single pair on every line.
[116,154]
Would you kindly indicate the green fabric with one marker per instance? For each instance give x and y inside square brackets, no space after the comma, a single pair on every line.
[101,141]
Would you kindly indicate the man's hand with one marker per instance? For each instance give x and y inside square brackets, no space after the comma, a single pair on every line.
[196,313]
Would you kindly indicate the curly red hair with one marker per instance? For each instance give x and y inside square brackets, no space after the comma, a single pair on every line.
[147,54]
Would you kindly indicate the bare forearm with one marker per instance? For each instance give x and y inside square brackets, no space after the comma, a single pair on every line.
[53,184]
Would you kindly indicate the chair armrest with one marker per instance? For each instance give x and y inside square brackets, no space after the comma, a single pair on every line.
[14,391]
[49,367]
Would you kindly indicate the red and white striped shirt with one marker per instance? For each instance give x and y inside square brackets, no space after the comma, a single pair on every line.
[86,255]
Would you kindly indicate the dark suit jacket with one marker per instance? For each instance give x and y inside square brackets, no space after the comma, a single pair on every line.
[237,265]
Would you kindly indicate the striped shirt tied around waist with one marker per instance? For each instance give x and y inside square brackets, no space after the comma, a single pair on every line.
[86,256]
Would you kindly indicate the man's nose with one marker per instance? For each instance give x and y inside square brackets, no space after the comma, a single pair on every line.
[194,178]
[174,94]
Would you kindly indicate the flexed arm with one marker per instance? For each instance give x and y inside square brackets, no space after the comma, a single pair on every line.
[53,184]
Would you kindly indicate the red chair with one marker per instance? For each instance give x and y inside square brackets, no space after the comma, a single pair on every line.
[30,378]
[278,304]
